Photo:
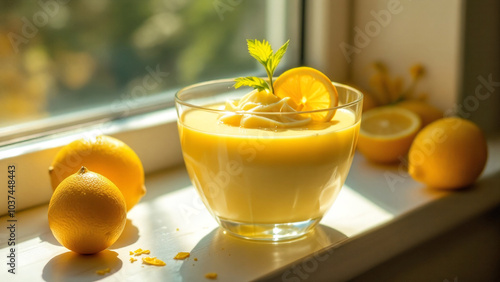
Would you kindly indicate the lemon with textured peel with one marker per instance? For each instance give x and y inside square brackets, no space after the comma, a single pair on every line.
[309,90]
[386,133]
[107,156]
[87,213]
[448,153]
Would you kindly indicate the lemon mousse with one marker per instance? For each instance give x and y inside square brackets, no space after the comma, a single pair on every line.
[269,163]
[267,175]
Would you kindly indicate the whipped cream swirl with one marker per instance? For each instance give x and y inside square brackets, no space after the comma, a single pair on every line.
[252,111]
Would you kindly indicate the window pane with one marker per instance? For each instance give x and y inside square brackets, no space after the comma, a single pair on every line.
[58,58]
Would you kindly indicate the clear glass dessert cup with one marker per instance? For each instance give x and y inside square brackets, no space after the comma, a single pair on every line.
[268,184]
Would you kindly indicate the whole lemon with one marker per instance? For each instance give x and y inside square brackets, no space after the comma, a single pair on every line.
[107,156]
[87,212]
[448,153]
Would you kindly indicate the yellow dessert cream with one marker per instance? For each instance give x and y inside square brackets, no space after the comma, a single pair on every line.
[255,105]
[268,164]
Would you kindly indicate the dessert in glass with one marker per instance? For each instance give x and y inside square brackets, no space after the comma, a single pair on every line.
[266,165]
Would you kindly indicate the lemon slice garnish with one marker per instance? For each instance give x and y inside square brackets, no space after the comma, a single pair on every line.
[309,90]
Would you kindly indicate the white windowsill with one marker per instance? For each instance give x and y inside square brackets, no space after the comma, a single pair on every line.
[368,224]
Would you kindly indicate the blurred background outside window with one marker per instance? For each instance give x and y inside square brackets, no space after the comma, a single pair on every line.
[60,58]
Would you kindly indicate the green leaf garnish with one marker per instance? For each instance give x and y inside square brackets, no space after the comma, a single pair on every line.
[252,81]
[264,54]
[261,51]
[276,58]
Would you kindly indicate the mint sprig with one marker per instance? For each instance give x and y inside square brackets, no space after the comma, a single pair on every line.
[263,53]
[255,82]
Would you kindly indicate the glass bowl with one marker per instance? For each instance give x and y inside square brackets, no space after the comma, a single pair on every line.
[265,183]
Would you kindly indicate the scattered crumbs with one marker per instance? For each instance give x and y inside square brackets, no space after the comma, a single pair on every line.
[153,261]
[181,255]
[133,259]
[131,253]
[211,275]
[140,251]
[103,271]
[195,259]
[176,229]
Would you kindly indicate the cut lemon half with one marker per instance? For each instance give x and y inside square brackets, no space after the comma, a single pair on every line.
[386,133]
[309,90]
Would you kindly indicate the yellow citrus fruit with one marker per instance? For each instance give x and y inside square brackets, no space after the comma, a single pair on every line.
[107,156]
[386,133]
[310,90]
[87,212]
[448,153]
[425,111]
